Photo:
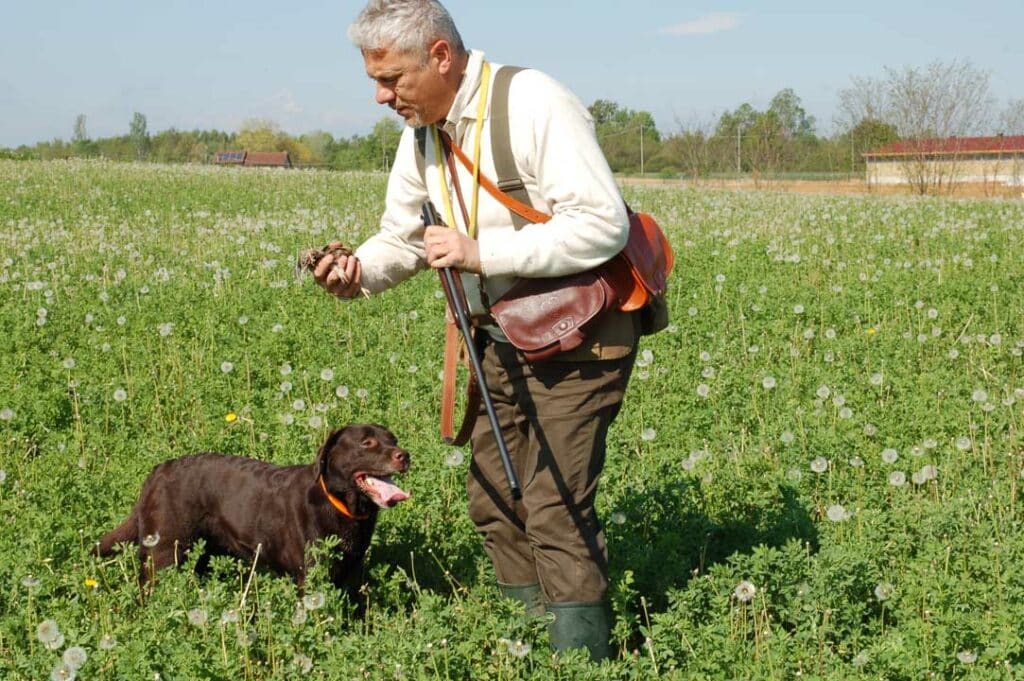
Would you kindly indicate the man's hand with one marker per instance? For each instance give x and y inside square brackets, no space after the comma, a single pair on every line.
[449,248]
[340,275]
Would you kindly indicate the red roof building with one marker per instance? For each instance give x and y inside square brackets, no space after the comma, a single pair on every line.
[936,163]
[951,146]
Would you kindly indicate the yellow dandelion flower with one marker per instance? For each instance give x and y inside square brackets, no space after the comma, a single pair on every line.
[872,331]
[231,417]
[91,583]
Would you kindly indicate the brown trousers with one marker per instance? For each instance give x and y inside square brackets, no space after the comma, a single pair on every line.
[555,417]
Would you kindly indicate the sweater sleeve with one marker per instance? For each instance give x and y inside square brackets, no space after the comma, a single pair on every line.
[558,156]
[396,252]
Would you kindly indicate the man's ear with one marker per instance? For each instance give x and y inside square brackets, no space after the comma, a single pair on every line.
[442,54]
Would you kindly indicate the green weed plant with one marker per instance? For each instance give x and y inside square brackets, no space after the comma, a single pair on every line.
[816,473]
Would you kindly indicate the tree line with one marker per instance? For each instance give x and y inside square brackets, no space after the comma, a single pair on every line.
[943,99]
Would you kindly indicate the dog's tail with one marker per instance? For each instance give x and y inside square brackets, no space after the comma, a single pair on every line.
[127,531]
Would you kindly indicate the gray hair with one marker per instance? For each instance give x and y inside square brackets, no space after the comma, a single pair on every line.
[407,26]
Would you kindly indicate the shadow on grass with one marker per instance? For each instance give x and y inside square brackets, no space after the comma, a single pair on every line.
[671,532]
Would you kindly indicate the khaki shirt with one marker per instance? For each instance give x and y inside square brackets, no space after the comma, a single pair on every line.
[565,175]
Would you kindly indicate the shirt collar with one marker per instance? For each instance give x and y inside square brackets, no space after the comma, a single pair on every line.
[465,101]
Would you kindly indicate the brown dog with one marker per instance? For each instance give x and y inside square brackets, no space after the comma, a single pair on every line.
[249,509]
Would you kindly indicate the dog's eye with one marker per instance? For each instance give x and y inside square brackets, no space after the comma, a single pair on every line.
[369,442]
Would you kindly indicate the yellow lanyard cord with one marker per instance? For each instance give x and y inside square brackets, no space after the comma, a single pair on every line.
[471,228]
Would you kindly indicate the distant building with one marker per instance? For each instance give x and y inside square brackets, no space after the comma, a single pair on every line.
[997,160]
[229,158]
[268,159]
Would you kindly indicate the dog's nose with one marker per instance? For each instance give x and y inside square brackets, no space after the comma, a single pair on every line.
[400,458]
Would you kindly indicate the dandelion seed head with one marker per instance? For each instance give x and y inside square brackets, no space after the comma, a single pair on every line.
[768,382]
[226,367]
[787,437]
[889,455]
[744,592]
[300,615]
[327,374]
[305,662]
[6,414]
[362,393]
[819,465]
[315,421]
[107,642]
[229,617]
[314,601]
[455,458]
[823,392]
[68,363]
[151,540]
[798,309]
[62,672]
[518,648]
[703,390]
[243,320]
[897,478]
[837,513]
[341,391]
[75,657]
[963,443]
[29,582]
[884,591]
[299,404]
[120,395]
[967,657]
[648,434]
[285,369]
[47,631]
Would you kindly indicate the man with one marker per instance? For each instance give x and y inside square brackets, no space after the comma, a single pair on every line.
[548,548]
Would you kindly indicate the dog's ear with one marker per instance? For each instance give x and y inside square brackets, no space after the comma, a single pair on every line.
[325,449]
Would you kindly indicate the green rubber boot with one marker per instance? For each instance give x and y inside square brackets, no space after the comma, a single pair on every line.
[580,625]
[528,594]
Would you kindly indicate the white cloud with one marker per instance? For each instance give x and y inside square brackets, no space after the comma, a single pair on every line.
[707,24]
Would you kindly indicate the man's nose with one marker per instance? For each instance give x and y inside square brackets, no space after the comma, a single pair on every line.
[384,95]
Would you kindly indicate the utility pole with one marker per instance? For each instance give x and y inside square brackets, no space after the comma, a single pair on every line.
[641,149]
[739,168]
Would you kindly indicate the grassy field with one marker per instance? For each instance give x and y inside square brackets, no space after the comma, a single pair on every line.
[817,472]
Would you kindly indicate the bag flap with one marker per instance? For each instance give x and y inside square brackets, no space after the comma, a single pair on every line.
[537,312]
[649,253]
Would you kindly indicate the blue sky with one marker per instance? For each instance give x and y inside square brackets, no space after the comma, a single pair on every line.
[214,64]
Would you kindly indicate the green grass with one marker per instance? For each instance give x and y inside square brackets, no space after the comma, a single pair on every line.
[810,335]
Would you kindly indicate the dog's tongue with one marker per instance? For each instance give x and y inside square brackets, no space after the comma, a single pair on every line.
[387,493]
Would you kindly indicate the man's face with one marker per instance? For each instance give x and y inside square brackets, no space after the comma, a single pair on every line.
[414,89]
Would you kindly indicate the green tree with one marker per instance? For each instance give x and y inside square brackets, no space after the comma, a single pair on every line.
[139,135]
[259,135]
[629,139]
